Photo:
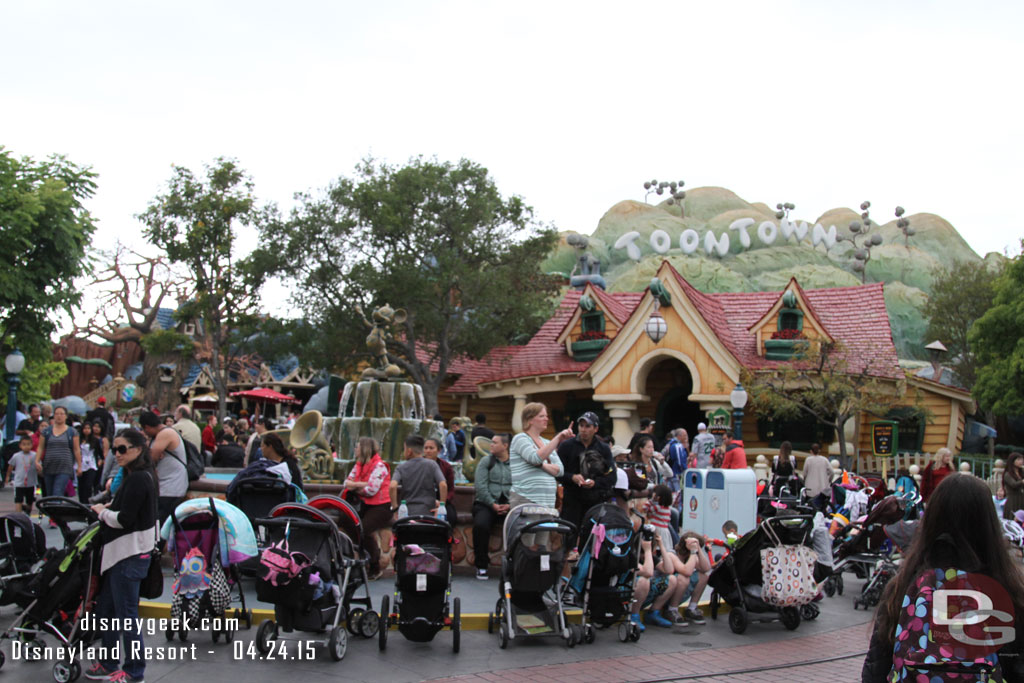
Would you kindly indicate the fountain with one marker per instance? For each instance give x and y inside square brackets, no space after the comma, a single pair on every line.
[383,405]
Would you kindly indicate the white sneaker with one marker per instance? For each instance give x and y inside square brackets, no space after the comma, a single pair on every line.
[481,574]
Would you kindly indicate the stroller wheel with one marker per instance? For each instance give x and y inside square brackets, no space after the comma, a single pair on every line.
[569,636]
[490,622]
[266,634]
[503,636]
[829,587]
[790,617]
[337,645]
[634,632]
[229,635]
[456,624]
[810,611]
[714,604]
[215,636]
[738,620]
[839,584]
[369,624]
[3,658]
[169,634]
[385,622]
[353,620]
[589,634]
[624,632]
[66,673]
[183,635]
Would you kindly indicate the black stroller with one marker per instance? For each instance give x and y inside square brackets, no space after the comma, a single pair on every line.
[59,595]
[531,588]
[738,578]
[256,497]
[310,573]
[22,544]
[859,546]
[423,582]
[606,571]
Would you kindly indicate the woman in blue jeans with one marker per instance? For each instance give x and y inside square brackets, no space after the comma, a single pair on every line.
[60,454]
[128,537]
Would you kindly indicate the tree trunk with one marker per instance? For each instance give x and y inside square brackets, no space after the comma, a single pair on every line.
[162,393]
[844,458]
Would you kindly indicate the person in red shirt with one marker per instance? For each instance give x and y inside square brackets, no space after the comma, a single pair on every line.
[735,455]
[937,470]
[209,438]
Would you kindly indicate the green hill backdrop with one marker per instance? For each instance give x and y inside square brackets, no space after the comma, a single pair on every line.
[905,267]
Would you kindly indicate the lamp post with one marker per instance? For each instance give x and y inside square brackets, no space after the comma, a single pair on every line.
[15,363]
[738,398]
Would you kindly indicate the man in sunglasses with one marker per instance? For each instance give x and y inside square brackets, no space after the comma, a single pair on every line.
[589,475]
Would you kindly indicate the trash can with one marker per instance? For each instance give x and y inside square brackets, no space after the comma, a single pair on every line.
[712,496]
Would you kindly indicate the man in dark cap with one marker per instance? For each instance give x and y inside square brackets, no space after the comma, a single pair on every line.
[589,475]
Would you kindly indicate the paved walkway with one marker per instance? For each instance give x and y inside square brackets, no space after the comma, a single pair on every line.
[786,660]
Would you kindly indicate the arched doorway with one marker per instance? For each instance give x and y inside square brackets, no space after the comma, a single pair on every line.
[669,385]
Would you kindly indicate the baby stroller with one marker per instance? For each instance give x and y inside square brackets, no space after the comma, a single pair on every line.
[59,596]
[360,620]
[606,571]
[738,578]
[310,571]
[531,589]
[423,582]
[862,544]
[256,496]
[22,544]
[208,539]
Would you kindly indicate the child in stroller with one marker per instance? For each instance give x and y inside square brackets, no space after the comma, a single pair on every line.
[605,574]
[423,582]
[739,577]
[861,544]
[309,570]
[208,539]
[531,589]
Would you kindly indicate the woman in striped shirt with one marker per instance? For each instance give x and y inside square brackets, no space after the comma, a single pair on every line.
[533,462]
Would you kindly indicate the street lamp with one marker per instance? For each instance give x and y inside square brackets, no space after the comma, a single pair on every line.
[15,363]
[738,398]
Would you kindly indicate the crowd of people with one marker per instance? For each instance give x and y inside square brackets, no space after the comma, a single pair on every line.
[136,477]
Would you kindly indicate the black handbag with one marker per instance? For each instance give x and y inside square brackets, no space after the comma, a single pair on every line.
[152,586]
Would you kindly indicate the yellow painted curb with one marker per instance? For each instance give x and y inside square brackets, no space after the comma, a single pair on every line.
[470,621]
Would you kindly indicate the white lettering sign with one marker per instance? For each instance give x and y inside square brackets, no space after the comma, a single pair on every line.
[767,232]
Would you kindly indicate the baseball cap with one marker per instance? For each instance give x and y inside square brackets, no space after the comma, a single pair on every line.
[621,480]
[101,400]
[590,418]
[701,427]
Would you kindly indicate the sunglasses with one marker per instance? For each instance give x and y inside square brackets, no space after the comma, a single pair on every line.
[120,449]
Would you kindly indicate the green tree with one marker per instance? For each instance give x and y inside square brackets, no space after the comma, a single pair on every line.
[961,293]
[45,232]
[821,385]
[195,224]
[997,340]
[436,238]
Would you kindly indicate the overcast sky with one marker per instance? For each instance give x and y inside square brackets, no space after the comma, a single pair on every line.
[571,105]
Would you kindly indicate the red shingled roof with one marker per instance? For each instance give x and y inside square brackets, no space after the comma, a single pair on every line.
[856,317]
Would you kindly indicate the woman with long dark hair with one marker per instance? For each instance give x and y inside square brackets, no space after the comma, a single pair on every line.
[960,533]
[128,536]
[367,487]
[92,457]
[1013,484]
[275,451]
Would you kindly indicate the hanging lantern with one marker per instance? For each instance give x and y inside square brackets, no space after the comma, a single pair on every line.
[656,326]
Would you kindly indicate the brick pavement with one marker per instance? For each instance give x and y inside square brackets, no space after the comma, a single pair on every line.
[706,665]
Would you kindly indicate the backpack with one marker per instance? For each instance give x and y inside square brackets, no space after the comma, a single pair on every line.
[195,463]
[922,649]
[786,468]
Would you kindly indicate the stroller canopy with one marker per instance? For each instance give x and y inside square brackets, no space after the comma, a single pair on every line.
[237,540]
